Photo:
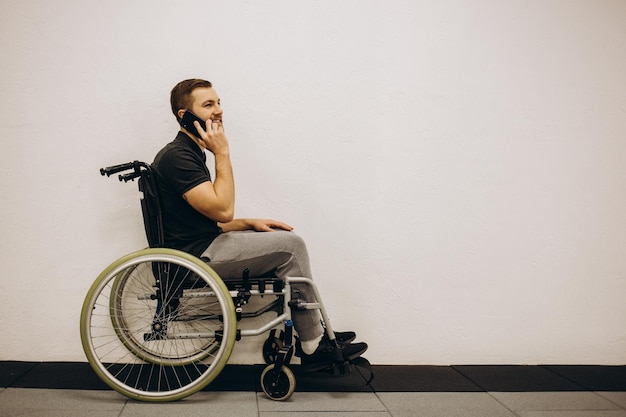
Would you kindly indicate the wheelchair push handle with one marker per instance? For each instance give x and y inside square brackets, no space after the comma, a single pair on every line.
[108,171]
[136,166]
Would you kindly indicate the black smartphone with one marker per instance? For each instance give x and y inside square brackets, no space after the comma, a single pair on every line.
[187,123]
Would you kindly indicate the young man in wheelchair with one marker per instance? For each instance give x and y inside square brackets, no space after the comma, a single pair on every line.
[198,218]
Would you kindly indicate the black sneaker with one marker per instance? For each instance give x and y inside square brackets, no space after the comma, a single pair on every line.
[344,337]
[352,351]
[328,353]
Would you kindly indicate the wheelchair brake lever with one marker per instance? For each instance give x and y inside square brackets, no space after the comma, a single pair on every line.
[130,176]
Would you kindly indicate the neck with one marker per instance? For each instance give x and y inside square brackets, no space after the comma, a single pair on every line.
[194,138]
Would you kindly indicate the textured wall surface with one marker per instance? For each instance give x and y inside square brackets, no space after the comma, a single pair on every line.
[457,168]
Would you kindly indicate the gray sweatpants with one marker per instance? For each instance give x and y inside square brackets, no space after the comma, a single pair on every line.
[280,252]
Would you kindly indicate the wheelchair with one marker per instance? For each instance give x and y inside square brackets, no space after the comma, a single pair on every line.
[160,325]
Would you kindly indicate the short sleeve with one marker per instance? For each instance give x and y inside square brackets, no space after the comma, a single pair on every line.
[183,171]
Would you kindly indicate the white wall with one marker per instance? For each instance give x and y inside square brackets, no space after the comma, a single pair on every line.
[457,168]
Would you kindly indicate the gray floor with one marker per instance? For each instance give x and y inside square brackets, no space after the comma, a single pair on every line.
[70,403]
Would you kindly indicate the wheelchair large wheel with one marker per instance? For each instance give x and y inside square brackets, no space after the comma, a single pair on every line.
[158,325]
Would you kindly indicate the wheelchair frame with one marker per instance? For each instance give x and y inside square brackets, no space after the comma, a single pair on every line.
[149,333]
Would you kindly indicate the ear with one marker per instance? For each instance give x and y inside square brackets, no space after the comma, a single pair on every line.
[180,113]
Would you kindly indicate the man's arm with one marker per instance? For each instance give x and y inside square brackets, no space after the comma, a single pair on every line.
[215,200]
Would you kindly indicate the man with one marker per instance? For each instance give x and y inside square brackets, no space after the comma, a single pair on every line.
[198,217]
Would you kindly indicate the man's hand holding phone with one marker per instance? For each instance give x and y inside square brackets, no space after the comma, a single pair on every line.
[210,133]
[213,137]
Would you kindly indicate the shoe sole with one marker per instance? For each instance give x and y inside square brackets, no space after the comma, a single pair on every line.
[356,354]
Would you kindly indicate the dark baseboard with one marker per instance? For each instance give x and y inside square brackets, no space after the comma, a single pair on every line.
[387,378]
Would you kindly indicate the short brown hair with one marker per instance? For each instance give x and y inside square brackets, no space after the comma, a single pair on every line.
[180,97]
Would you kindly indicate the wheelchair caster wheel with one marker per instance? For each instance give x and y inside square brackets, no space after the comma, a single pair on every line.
[278,385]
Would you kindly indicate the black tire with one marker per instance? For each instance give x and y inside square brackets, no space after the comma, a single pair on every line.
[278,385]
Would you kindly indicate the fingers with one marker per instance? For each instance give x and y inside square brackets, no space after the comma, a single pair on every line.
[211,128]
[262,225]
[280,225]
[216,126]
[212,136]
[201,131]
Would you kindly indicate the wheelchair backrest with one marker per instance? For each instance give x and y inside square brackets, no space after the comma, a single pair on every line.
[150,202]
[151,209]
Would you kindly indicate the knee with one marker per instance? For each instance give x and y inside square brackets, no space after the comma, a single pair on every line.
[298,264]
[297,247]
[296,242]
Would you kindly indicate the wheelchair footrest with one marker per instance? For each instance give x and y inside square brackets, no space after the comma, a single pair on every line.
[339,368]
[334,368]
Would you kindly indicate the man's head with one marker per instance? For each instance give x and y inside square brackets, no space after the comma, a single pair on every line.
[197,96]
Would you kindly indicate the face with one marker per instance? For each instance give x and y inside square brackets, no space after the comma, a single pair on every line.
[206,104]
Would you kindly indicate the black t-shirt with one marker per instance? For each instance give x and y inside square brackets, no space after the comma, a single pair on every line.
[178,167]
